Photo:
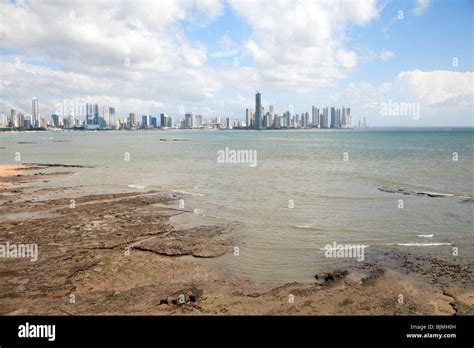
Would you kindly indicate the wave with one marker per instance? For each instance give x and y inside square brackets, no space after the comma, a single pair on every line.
[425,235]
[198,211]
[345,247]
[307,227]
[419,244]
[137,186]
[189,193]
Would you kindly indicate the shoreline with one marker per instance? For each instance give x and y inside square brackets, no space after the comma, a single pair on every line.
[126,253]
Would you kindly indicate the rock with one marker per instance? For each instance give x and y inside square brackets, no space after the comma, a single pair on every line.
[330,277]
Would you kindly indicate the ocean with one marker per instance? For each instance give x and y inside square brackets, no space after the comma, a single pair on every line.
[306,189]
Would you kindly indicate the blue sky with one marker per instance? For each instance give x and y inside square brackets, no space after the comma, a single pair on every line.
[301,53]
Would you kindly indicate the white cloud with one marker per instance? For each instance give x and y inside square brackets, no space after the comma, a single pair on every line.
[228,48]
[118,49]
[300,45]
[420,8]
[445,97]
[439,86]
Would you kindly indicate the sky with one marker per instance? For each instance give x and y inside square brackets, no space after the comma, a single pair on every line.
[396,63]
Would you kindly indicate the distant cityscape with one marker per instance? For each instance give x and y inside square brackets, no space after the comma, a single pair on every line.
[88,117]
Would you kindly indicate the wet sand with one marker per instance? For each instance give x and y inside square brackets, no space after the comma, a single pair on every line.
[126,254]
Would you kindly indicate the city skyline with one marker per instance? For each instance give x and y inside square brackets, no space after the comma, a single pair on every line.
[209,57]
[87,116]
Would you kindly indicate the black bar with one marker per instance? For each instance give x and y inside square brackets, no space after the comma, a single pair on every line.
[195,330]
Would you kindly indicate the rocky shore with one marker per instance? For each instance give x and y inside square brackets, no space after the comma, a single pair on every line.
[119,253]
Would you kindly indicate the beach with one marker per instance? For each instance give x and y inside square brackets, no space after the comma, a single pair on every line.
[134,253]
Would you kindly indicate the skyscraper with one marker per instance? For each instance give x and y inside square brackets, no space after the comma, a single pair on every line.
[348,118]
[106,116]
[333,117]
[111,115]
[258,111]
[145,121]
[13,118]
[35,112]
[271,119]
[96,114]
[132,121]
[315,117]
[337,123]
[163,120]
[3,120]
[189,120]
[248,118]
[89,119]
[325,118]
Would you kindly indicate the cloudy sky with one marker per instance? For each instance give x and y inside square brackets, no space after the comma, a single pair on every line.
[209,56]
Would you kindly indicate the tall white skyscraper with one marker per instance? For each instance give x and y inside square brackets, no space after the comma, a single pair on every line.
[3,120]
[14,118]
[315,117]
[106,116]
[258,111]
[35,112]
[325,118]
[348,118]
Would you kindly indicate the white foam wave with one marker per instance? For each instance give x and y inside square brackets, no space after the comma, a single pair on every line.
[137,186]
[420,244]
[189,193]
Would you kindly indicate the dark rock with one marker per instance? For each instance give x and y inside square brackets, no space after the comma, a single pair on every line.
[330,277]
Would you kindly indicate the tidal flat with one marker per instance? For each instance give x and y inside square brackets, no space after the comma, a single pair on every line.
[125,253]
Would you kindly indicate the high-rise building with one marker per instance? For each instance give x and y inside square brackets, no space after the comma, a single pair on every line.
[111,115]
[105,116]
[132,120]
[324,118]
[42,121]
[35,112]
[56,119]
[337,123]
[20,120]
[163,120]
[258,111]
[271,117]
[189,120]
[153,122]
[315,117]
[92,115]
[27,122]
[348,122]
[166,121]
[286,117]
[248,120]
[198,121]
[70,121]
[13,118]
[3,120]
[96,114]
[145,122]
[333,117]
